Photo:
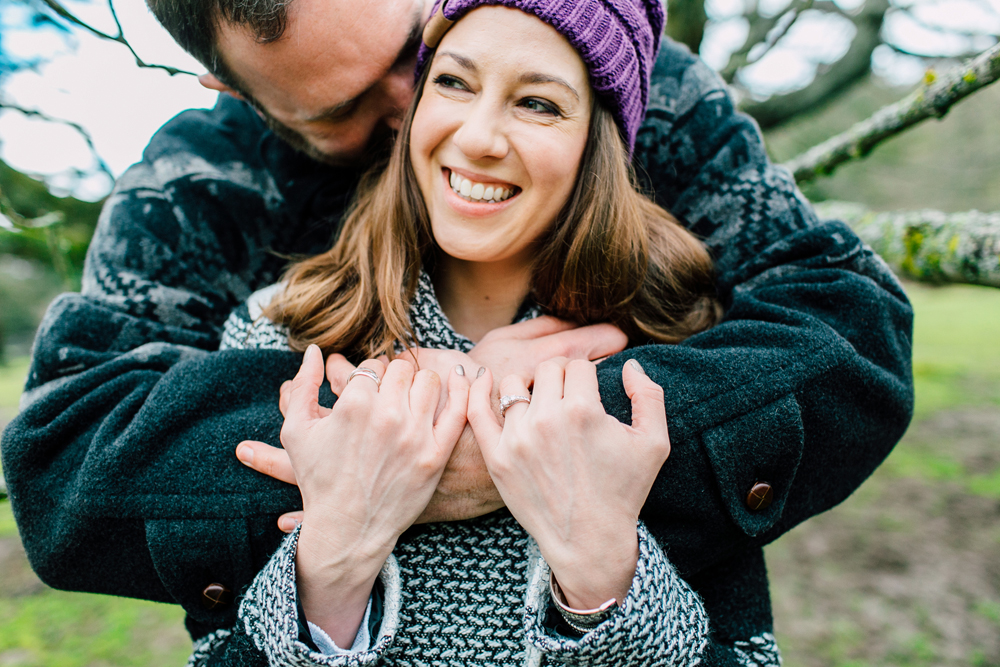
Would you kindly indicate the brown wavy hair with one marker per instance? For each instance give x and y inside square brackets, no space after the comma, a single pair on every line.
[611,256]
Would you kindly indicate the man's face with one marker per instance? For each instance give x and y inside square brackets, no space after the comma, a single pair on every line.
[340,77]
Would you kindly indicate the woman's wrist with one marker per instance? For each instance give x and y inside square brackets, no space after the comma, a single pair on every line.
[591,574]
[334,583]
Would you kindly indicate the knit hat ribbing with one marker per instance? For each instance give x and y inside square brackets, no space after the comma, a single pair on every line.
[617,40]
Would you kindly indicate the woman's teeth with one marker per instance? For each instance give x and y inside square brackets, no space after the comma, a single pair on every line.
[478,191]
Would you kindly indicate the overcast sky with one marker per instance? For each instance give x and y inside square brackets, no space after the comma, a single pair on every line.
[96,83]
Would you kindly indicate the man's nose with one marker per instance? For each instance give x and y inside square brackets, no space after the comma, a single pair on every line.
[397,93]
[481,134]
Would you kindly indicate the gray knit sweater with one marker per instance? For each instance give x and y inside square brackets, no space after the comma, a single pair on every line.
[471,593]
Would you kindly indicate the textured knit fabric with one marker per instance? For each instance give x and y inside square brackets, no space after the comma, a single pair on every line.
[120,465]
[471,593]
[475,594]
[617,39]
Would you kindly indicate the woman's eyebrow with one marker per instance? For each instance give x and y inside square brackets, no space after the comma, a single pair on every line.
[537,77]
[465,63]
[526,77]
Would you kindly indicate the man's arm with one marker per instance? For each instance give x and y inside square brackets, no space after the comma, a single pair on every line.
[120,465]
[806,384]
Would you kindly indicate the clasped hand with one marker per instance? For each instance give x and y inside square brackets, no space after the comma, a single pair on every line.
[572,476]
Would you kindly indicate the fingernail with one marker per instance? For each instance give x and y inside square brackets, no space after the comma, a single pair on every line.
[460,370]
[482,369]
[245,454]
[310,353]
[287,525]
[636,366]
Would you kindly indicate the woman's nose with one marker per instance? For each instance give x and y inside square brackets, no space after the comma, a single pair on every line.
[482,135]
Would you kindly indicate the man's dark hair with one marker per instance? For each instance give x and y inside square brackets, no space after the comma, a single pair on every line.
[194,24]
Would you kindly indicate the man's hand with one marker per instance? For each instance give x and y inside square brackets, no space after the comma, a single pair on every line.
[465,490]
[517,349]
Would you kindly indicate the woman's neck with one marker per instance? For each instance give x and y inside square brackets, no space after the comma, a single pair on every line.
[479,297]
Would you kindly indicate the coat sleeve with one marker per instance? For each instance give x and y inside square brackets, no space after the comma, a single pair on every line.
[662,621]
[120,464]
[806,384]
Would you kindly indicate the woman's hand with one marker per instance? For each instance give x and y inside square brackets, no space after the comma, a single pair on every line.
[366,470]
[574,477]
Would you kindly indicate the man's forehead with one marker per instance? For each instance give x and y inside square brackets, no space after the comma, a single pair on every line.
[331,51]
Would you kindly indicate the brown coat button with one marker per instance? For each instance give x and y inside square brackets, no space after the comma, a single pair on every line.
[215,596]
[760,496]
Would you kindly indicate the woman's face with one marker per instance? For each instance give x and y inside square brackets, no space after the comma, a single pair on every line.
[499,133]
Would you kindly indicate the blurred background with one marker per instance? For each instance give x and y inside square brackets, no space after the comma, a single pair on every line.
[905,572]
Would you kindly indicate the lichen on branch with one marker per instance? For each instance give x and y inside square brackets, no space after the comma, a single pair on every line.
[929,246]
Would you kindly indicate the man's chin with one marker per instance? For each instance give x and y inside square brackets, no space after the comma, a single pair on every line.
[377,149]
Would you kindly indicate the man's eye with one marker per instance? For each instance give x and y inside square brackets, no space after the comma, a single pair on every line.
[448,81]
[540,106]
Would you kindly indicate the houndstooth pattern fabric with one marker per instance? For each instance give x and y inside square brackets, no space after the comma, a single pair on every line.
[247,328]
[459,595]
[205,646]
[761,651]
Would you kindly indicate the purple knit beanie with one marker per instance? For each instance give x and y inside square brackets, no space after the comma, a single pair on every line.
[617,39]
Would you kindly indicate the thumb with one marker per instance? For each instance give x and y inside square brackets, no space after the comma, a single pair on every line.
[649,416]
[303,395]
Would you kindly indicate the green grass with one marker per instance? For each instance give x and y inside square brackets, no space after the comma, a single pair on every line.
[956,347]
[12,376]
[58,629]
[7,526]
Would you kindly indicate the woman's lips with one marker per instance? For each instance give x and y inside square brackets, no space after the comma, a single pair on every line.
[477,208]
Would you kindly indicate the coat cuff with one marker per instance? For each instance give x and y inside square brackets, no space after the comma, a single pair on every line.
[269,613]
[661,619]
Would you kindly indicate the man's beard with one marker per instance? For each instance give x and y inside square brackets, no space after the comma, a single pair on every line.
[378,148]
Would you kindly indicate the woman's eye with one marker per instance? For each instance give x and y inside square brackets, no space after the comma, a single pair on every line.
[448,81]
[540,106]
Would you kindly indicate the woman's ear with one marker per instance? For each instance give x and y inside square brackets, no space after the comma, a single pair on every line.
[211,82]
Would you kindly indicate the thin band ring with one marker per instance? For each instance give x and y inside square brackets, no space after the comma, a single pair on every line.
[368,373]
[507,401]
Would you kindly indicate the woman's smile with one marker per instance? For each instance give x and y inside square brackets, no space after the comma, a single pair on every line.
[475,196]
[480,190]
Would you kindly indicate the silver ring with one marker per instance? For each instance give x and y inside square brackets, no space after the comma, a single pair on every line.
[507,401]
[368,373]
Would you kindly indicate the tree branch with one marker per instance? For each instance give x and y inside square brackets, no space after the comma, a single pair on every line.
[34,113]
[929,246]
[763,31]
[830,82]
[931,56]
[69,17]
[933,99]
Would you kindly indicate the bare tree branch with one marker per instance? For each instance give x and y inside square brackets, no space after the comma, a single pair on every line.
[829,81]
[932,56]
[763,30]
[933,99]
[69,17]
[34,113]
[929,246]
